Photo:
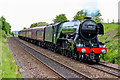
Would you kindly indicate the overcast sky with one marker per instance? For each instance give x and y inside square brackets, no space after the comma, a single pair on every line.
[22,13]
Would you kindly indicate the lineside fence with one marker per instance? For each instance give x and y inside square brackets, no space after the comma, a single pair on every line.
[113,21]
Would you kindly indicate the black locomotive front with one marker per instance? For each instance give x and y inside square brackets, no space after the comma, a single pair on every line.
[88,45]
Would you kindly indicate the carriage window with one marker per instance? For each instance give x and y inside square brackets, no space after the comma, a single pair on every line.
[29,33]
[20,33]
[39,33]
[23,33]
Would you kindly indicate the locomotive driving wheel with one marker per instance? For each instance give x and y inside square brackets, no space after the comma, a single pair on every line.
[55,48]
[97,59]
[75,56]
[63,52]
[81,57]
[72,55]
[63,49]
[67,53]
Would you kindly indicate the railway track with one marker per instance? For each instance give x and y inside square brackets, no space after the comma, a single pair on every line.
[105,64]
[59,68]
[105,68]
[108,69]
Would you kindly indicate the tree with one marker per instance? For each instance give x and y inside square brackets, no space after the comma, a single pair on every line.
[24,28]
[80,15]
[0,25]
[60,18]
[42,23]
[5,25]
[3,22]
[33,25]
[38,24]
[84,13]
[97,16]
[7,28]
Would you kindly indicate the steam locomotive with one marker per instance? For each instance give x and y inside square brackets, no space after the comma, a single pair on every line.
[75,39]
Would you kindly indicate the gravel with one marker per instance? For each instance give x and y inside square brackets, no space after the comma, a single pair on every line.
[28,65]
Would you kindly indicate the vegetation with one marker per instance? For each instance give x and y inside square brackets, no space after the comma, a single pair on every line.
[5,25]
[38,24]
[80,15]
[97,16]
[60,18]
[0,53]
[8,67]
[5,28]
[110,38]
[24,28]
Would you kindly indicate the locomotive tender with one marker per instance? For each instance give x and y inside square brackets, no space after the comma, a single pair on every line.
[75,39]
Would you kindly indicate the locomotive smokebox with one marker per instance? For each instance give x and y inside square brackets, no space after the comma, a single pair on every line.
[88,29]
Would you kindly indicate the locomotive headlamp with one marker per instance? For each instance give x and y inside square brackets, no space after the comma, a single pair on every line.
[83,50]
[92,44]
[104,46]
[103,51]
[79,45]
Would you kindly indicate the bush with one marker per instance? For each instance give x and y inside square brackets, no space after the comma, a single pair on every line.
[110,38]
[4,34]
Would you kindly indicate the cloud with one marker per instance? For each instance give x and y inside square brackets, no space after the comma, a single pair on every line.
[109,9]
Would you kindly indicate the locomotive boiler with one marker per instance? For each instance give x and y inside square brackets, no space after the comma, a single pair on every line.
[75,39]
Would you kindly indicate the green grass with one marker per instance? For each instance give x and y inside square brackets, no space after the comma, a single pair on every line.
[0,55]
[110,38]
[9,67]
[110,26]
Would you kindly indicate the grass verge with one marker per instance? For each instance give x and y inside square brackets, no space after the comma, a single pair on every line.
[9,67]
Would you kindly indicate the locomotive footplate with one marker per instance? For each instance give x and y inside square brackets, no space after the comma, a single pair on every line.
[92,55]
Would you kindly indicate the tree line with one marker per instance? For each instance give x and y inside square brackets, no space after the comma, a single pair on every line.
[5,27]
[80,15]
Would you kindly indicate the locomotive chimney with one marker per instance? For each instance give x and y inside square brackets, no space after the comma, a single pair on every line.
[87,18]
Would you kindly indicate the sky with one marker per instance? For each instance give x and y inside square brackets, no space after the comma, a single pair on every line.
[22,13]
